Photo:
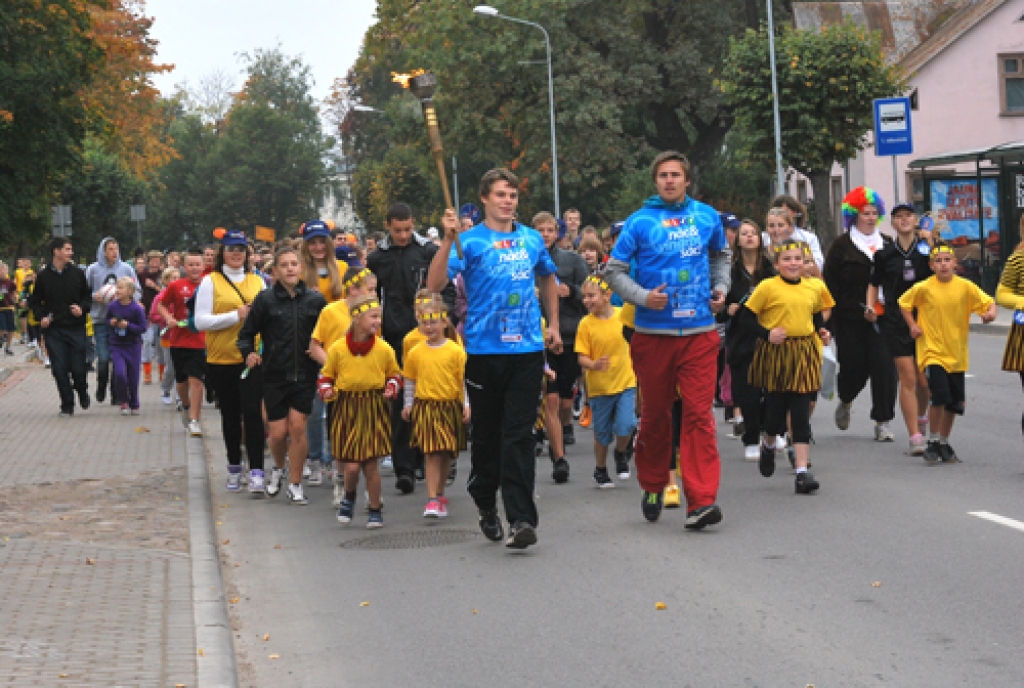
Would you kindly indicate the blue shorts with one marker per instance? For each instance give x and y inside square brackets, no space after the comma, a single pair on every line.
[614,415]
[7,323]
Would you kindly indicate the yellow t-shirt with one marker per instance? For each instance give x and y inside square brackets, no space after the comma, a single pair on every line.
[438,372]
[332,324]
[627,314]
[19,277]
[778,303]
[597,337]
[411,341]
[222,345]
[944,315]
[324,283]
[353,373]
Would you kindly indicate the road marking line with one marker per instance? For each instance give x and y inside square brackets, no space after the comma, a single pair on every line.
[996,518]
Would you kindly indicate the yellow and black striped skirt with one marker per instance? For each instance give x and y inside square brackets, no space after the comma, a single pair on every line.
[437,426]
[1013,355]
[360,426]
[793,366]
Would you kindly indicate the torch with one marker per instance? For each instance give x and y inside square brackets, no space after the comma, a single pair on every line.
[422,85]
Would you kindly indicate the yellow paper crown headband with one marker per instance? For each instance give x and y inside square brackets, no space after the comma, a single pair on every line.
[362,308]
[601,284]
[789,245]
[942,248]
[355,279]
[436,315]
[425,301]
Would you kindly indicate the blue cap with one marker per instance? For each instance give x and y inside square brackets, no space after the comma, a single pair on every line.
[314,229]
[902,206]
[471,211]
[234,237]
[562,229]
[347,254]
[616,227]
[729,221]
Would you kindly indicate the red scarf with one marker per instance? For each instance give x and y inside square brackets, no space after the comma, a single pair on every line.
[359,348]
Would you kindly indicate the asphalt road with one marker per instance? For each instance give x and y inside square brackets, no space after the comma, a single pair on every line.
[882,578]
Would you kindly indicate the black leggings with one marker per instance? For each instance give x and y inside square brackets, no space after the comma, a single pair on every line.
[240,401]
[749,400]
[863,355]
[797,406]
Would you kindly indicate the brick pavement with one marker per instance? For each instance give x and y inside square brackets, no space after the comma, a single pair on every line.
[94,540]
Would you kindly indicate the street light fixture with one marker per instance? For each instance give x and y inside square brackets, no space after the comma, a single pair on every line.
[488,11]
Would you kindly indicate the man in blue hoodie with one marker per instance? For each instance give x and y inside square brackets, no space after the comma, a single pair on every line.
[106,270]
[679,279]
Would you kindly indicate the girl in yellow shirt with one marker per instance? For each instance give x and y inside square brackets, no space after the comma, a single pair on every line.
[435,399]
[787,362]
[361,377]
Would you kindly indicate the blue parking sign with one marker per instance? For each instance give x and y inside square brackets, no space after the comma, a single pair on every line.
[892,127]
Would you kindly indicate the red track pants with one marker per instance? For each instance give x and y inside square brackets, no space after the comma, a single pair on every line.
[664,364]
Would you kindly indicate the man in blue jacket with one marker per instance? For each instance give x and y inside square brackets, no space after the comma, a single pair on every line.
[107,269]
[680,276]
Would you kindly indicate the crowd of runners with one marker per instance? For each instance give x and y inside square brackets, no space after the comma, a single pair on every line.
[351,359]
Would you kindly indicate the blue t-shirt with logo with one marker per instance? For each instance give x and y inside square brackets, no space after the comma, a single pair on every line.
[669,244]
[498,269]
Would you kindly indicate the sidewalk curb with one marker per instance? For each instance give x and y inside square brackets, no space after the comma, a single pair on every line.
[4,374]
[215,665]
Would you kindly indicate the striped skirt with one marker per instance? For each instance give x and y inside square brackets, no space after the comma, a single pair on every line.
[360,426]
[1013,355]
[437,426]
[793,366]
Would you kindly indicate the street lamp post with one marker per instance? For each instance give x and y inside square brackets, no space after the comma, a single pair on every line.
[780,175]
[488,11]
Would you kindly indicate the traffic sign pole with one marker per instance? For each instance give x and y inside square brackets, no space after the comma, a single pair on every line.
[893,134]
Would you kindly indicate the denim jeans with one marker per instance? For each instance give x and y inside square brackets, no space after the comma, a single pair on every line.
[66,347]
[315,433]
[101,333]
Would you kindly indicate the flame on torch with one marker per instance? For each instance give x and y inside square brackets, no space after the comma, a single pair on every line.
[403,79]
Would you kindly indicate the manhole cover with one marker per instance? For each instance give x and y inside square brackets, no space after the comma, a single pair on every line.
[412,539]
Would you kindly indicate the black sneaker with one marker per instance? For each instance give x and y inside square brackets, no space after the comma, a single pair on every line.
[101,394]
[806,483]
[405,483]
[603,480]
[698,519]
[767,462]
[622,465]
[947,454]
[560,470]
[490,525]
[932,455]
[83,399]
[651,505]
[738,429]
[568,436]
[521,535]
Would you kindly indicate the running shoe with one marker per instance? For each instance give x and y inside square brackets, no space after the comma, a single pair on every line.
[346,511]
[135,412]
[651,504]
[166,398]
[603,480]
[521,535]
[947,454]
[705,516]
[805,483]
[442,511]
[622,465]
[256,481]
[295,494]
[586,417]
[932,455]
[339,489]
[386,464]
[577,402]
[276,479]
[453,473]
[883,433]
[490,525]
[671,497]
[405,483]
[306,470]
[316,473]
[766,463]
[234,478]
[178,406]
[83,399]
[568,435]
[195,429]
[101,394]
[560,471]
[125,410]
[738,428]
[46,361]
[843,413]
[752,453]
[433,509]
[917,443]
[375,519]
[66,414]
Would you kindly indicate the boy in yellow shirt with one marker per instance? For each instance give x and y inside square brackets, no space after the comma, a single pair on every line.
[611,384]
[944,303]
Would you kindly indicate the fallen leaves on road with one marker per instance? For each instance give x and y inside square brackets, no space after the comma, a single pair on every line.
[876,584]
[475,611]
[274,656]
[234,600]
[364,604]
[277,546]
[225,542]
[141,430]
[660,605]
[90,561]
[266,637]
[200,652]
[62,675]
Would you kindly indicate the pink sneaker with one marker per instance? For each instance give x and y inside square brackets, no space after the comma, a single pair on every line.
[433,509]
[443,511]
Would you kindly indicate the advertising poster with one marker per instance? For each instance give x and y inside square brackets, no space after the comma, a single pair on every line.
[954,205]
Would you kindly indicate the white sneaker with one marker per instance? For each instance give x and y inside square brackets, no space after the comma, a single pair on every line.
[273,486]
[256,481]
[195,429]
[295,495]
[386,464]
[316,473]
[752,453]
[339,490]
[46,361]
[306,470]
[166,398]
[883,433]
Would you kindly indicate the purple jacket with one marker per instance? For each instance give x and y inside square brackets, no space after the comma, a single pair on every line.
[136,318]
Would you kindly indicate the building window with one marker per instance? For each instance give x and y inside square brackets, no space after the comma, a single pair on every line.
[1011,84]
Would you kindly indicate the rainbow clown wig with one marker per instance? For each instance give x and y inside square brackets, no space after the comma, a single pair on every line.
[856,201]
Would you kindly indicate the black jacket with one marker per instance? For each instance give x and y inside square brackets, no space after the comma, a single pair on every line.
[744,329]
[847,274]
[286,324]
[402,271]
[55,293]
[572,271]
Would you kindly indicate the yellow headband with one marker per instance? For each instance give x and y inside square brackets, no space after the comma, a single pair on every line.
[789,246]
[363,274]
[601,284]
[424,301]
[437,315]
[941,249]
[359,310]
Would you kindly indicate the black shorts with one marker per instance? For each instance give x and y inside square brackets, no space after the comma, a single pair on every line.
[7,323]
[900,343]
[281,397]
[567,367]
[188,363]
[947,389]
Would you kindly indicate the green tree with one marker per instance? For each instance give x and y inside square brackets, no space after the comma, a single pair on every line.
[827,80]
